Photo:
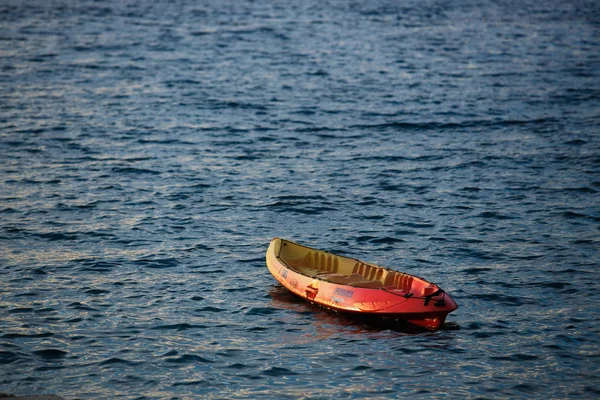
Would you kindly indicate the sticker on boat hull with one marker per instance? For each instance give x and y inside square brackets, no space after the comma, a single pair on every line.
[343,292]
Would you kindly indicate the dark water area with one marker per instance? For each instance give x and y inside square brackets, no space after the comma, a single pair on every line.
[150,150]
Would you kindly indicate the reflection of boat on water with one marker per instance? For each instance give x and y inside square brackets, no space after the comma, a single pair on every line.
[357,288]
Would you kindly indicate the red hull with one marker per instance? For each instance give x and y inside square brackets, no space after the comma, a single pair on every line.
[426,305]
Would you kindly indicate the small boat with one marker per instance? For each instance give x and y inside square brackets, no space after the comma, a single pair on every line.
[349,285]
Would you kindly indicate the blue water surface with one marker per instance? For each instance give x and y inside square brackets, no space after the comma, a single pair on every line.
[150,150]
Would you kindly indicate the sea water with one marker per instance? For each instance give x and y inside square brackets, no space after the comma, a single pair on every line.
[150,150]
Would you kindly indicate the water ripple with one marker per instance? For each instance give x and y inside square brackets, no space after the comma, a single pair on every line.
[150,151]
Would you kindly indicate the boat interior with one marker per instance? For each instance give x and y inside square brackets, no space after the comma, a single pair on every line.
[330,267]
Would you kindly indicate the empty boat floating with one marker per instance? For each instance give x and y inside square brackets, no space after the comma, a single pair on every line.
[352,286]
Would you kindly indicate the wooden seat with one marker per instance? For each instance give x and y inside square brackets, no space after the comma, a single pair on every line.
[307,270]
[339,278]
[368,284]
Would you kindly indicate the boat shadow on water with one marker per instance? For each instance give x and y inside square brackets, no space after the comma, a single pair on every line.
[285,300]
